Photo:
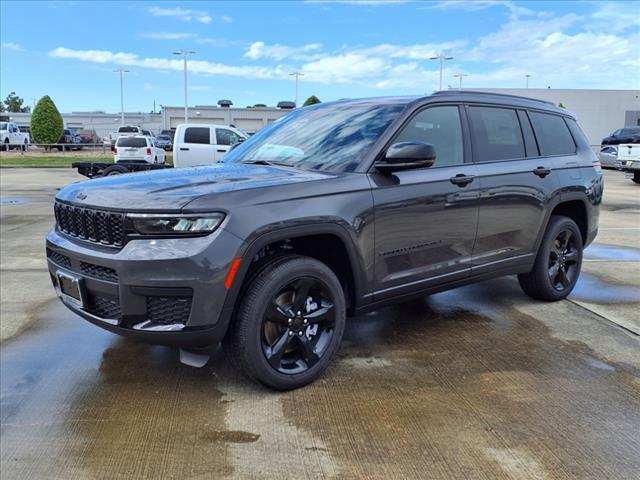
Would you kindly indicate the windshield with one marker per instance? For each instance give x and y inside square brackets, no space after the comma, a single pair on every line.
[325,137]
[628,131]
[134,142]
[128,130]
[3,126]
[164,137]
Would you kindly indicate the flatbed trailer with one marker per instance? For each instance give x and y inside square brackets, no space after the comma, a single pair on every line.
[105,169]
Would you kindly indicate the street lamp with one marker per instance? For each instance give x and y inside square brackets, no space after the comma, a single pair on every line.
[184,54]
[442,58]
[460,75]
[296,74]
[527,76]
[121,71]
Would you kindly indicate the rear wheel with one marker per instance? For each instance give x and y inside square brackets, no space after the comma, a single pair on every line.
[558,262]
[114,170]
[290,322]
[6,146]
[636,177]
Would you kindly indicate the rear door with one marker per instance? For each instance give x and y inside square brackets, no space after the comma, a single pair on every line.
[224,139]
[196,147]
[516,184]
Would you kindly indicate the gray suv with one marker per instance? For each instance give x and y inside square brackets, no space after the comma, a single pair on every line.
[333,210]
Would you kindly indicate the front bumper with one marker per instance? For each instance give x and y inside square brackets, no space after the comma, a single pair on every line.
[167,291]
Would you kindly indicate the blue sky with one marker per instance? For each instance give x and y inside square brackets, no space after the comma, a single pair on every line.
[245,50]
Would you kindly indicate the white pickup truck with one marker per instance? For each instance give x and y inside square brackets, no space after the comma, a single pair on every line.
[12,137]
[629,160]
[124,130]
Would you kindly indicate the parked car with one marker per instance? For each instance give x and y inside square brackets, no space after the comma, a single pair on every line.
[26,129]
[629,160]
[137,149]
[12,137]
[164,142]
[171,132]
[88,136]
[70,140]
[608,156]
[623,135]
[334,210]
[124,130]
[197,144]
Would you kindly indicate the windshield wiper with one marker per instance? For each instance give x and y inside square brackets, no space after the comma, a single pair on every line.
[266,162]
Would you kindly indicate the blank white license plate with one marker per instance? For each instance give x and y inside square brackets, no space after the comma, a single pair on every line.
[70,288]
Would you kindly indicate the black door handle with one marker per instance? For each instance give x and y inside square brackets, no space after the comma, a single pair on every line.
[541,172]
[184,148]
[461,179]
[221,151]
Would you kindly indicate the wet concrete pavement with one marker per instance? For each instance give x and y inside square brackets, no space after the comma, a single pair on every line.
[479,382]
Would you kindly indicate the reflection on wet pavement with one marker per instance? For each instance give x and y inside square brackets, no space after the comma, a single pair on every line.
[616,253]
[590,288]
[457,385]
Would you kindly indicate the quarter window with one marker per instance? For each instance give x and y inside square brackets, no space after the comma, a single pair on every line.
[554,137]
[439,126]
[197,135]
[496,134]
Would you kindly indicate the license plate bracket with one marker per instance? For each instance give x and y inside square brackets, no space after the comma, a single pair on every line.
[71,288]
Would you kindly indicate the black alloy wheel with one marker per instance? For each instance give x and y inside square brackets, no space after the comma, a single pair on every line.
[563,259]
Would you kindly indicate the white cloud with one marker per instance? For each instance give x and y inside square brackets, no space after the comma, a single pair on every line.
[259,50]
[616,17]
[183,14]
[476,5]
[12,46]
[168,35]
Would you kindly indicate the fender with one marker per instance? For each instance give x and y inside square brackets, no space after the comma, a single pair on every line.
[558,198]
[259,241]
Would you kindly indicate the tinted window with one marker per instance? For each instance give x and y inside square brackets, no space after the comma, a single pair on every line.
[132,142]
[496,134]
[552,133]
[226,137]
[439,126]
[331,137]
[128,130]
[527,132]
[197,135]
[629,131]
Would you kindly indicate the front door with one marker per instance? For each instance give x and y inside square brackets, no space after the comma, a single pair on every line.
[196,147]
[426,219]
[224,139]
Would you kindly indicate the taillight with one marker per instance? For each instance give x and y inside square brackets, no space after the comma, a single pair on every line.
[148,150]
[115,151]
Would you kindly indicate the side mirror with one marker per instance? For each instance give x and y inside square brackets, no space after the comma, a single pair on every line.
[407,156]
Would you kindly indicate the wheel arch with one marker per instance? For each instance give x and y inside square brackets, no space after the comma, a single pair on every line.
[573,206]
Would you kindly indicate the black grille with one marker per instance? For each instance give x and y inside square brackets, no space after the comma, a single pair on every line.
[59,258]
[98,271]
[168,310]
[104,307]
[97,226]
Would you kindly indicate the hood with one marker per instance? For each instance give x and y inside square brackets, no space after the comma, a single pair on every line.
[171,189]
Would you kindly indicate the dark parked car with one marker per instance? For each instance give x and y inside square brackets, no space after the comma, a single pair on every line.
[333,210]
[164,142]
[70,140]
[170,132]
[623,135]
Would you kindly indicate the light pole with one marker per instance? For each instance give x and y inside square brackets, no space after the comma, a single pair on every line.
[121,71]
[442,57]
[460,75]
[184,54]
[527,76]
[296,74]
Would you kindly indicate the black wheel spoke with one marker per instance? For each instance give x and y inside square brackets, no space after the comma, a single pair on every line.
[571,257]
[276,314]
[275,352]
[553,272]
[562,277]
[565,241]
[322,315]
[301,293]
[308,352]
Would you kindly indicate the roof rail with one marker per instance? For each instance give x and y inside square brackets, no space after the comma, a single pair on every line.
[495,94]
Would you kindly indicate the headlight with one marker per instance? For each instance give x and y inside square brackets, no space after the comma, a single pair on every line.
[176,224]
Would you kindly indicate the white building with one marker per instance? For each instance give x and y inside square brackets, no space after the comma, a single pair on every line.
[599,112]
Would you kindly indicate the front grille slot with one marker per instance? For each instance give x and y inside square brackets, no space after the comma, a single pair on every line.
[59,259]
[168,310]
[104,307]
[99,226]
[98,271]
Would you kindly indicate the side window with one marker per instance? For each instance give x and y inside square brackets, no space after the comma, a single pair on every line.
[527,132]
[197,135]
[226,137]
[439,126]
[554,137]
[496,134]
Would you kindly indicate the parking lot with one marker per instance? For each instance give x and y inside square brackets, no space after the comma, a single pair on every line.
[478,382]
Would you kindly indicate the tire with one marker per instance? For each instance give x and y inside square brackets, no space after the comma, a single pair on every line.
[558,262]
[6,147]
[636,177]
[283,341]
[114,170]
[25,146]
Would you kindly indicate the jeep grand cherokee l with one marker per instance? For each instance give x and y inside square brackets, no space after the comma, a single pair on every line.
[332,210]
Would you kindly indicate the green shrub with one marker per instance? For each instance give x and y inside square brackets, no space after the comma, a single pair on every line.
[312,100]
[47,125]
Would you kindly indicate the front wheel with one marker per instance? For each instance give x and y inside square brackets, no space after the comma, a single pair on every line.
[290,322]
[558,262]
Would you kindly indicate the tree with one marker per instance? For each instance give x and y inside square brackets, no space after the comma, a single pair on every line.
[47,125]
[312,100]
[14,103]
